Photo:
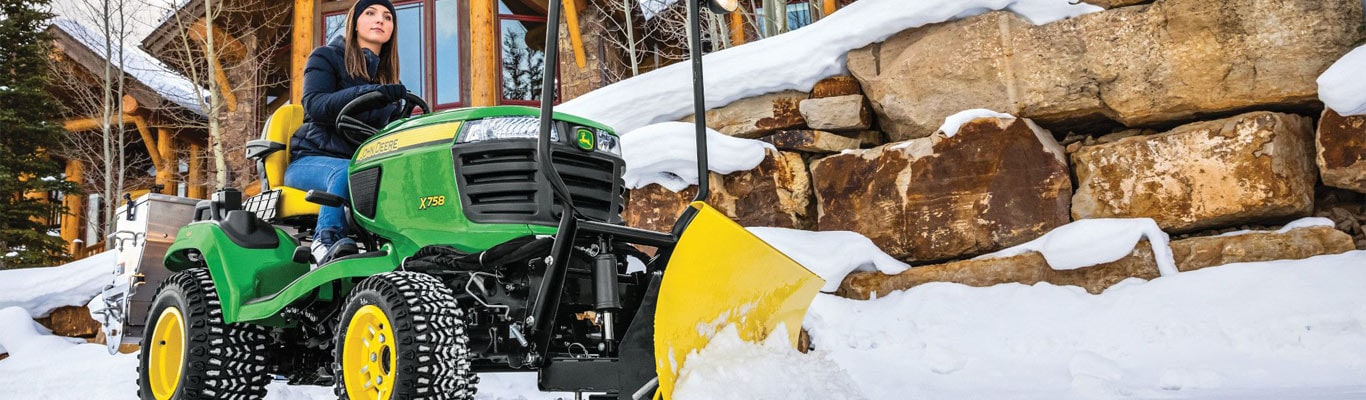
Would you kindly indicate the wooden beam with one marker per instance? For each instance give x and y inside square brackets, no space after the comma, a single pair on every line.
[167,172]
[484,59]
[194,183]
[737,28]
[226,44]
[224,86]
[572,19]
[130,105]
[75,208]
[147,140]
[828,8]
[301,44]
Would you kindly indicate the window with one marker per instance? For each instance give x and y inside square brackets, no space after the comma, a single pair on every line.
[798,15]
[429,48]
[522,46]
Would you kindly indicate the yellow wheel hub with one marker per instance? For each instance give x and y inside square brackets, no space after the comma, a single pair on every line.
[166,358]
[368,355]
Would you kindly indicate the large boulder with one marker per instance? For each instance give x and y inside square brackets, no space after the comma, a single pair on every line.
[839,113]
[757,116]
[1142,65]
[1251,167]
[996,183]
[71,321]
[775,193]
[1030,268]
[1341,143]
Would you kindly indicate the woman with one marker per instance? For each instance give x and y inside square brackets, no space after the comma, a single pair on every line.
[364,59]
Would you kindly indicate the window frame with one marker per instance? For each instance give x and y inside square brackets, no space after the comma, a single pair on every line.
[498,28]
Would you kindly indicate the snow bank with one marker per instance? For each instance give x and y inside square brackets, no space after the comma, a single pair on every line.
[731,368]
[21,336]
[955,121]
[830,254]
[1294,326]
[1088,242]
[1341,87]
[792,61]
[41,290]
[666,153]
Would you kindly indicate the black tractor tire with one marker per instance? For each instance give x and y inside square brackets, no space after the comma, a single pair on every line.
[217,360]
[427,356]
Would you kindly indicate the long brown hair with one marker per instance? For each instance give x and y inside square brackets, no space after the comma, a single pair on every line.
[355,59]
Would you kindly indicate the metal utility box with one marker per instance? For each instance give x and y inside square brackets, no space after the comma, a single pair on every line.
[145,228]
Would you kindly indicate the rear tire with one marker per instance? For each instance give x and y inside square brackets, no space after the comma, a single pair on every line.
[189,353]
[402,336]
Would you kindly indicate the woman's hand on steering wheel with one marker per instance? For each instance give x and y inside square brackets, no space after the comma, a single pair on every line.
[355,131]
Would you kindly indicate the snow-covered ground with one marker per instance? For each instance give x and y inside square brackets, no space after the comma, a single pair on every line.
[1284,329]
[41,290]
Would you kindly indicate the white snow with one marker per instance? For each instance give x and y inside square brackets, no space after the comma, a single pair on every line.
[666,153]
[1341,87]
[792,61]
[140,65]
[726,367]
[1305,222]
[1088,242]
[41,290]
[955,121]
[1267,330]
[839,253]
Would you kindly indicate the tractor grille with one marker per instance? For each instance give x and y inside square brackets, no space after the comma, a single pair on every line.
[365,191]
[499,183]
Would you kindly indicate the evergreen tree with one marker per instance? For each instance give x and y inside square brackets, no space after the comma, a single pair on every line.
[29,127]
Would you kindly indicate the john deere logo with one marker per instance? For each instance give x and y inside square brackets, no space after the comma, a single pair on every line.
[586,139]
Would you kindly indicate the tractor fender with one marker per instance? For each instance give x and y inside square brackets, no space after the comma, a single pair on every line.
[241,269]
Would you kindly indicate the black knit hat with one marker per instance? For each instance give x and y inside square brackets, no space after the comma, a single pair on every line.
[364,4]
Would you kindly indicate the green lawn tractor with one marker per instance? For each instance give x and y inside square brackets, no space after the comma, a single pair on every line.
[492,241]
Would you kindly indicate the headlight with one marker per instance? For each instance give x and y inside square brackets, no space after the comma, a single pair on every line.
[608,142]
[505,128]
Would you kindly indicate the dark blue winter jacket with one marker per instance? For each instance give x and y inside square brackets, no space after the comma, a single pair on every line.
[327,88]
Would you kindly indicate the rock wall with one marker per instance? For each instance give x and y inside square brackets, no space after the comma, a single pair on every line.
[1200,115]
[1145,65]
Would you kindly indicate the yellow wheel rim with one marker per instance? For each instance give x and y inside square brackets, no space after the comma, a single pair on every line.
[368,355]
[167,355]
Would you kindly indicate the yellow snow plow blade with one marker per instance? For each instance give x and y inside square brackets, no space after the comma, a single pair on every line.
[720,274]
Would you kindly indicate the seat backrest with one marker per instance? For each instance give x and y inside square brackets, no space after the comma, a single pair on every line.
[279,129]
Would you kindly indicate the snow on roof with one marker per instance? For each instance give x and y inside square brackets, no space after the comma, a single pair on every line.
[1341,87]
[791,61]
[41,290]
[141,66]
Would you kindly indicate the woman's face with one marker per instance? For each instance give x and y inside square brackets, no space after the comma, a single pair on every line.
[374,27]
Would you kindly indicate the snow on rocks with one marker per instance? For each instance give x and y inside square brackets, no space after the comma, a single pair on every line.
[666,154]
[1090,242]
[1296,224]
[731,368]
[838,253]
[20,336]
[41,290]
[1341,87]
[792,61]
[955,121]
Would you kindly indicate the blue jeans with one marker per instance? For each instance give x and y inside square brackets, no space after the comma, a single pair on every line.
[326,174]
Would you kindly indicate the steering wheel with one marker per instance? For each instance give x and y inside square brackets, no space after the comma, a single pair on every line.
[355,131]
